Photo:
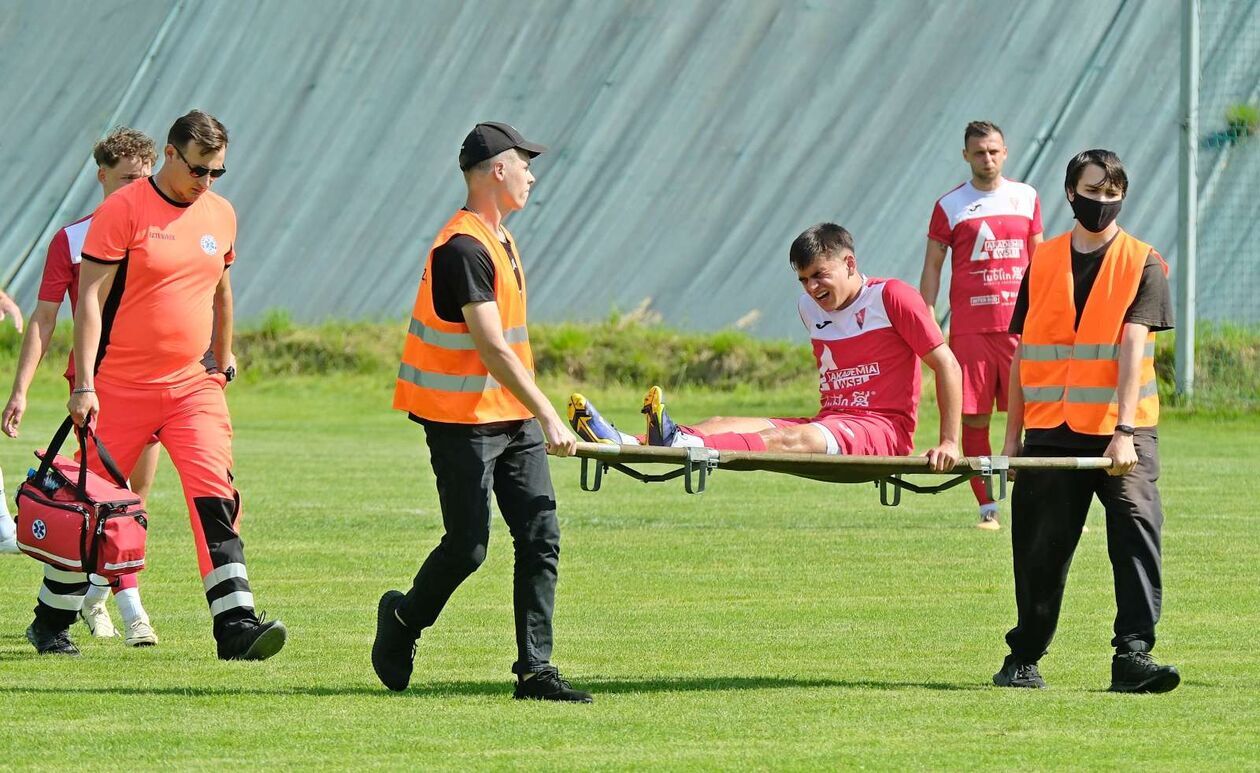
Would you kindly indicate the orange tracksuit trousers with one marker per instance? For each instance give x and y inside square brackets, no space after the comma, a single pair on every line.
[191,421]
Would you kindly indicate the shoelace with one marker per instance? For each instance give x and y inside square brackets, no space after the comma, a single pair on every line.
[62,640]
[552,675]
[1141,658]
[1026,671]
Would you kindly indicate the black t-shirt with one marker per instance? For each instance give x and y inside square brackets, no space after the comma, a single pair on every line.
[1152,306]
[463,273]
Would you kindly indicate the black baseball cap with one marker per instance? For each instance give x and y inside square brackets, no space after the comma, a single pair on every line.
[489,139]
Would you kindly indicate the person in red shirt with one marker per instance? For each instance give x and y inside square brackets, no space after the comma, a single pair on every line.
[868,336]
[990,226]
[155,293]
[122,157]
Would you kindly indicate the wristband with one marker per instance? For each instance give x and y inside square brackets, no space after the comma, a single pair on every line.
[83,391]
[1125,429]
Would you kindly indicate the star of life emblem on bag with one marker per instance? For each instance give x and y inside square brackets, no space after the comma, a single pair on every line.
[39,529]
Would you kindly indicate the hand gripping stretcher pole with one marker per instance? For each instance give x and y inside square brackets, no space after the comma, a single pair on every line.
[694,465]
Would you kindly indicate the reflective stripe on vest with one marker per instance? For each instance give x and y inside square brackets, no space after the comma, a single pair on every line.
[460,342]
[444,382]
[1052,352]
[1083,395]
[1069,371]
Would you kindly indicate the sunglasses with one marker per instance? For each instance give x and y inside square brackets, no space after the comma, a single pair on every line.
[200,171]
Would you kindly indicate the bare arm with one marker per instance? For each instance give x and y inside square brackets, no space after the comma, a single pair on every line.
[222,347]
[1120,450]
[95,282]
[10,309]
[1013,445]
[486,329]
[949,399]
[930,279]
[39,333]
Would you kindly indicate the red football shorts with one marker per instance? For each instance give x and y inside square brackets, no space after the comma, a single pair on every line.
[859,434]
[985,359]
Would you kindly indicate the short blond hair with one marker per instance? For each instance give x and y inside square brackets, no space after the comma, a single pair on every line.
[124,142]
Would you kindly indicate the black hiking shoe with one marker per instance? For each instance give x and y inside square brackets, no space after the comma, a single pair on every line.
[1016,674]
[394,648]
[252,640]
[50,642]
[1138,672]
[548,685]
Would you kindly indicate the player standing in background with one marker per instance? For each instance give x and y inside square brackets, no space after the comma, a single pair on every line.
[122,157]
[990,225]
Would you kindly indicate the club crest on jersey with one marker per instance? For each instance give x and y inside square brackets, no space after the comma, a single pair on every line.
[209,245]
[860,317]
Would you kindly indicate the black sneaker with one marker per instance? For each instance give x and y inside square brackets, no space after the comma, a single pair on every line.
[1138,672]
[548,685]
[49,642]
[394,648]
[1016,674]
[253,640]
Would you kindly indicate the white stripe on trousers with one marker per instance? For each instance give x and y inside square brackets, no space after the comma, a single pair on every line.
[232,601]
[225,572]
[67,603]
[60,575]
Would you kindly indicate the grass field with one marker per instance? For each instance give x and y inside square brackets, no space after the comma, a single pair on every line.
[772,622]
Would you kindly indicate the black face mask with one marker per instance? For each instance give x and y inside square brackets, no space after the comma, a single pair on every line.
[1095,215]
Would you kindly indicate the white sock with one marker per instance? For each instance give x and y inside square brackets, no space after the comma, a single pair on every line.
[129,605]
[8,529]
[990,509]
[627,440]
[686,440]
[97,592]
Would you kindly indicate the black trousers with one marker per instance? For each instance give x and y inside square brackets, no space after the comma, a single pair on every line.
[470,462]
[1048,509]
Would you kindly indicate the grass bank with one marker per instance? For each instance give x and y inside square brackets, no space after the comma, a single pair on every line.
[625,351]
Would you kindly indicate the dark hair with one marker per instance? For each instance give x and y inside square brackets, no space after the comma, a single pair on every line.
[122,143]
[201,128]
[1114,175]
[981,129]
[819,241]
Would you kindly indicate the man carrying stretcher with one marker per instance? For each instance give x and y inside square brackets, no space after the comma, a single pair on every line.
[868,336]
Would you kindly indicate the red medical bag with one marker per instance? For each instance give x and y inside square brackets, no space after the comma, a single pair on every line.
[71,518]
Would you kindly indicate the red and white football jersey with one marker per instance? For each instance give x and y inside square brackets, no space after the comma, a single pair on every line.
[61,269]
[989,235]
[61,265]
[868,353]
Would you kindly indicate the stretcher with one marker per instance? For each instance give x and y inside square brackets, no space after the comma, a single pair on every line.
[887,473]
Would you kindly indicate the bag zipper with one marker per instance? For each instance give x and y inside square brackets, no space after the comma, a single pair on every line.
[80,509]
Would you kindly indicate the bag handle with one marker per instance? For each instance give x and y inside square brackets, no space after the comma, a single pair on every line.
[83,433]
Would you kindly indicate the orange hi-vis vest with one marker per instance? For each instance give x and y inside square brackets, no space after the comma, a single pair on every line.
[1070,375]
[442,377]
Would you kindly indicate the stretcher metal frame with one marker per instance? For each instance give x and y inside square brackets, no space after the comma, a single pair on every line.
[694,465]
